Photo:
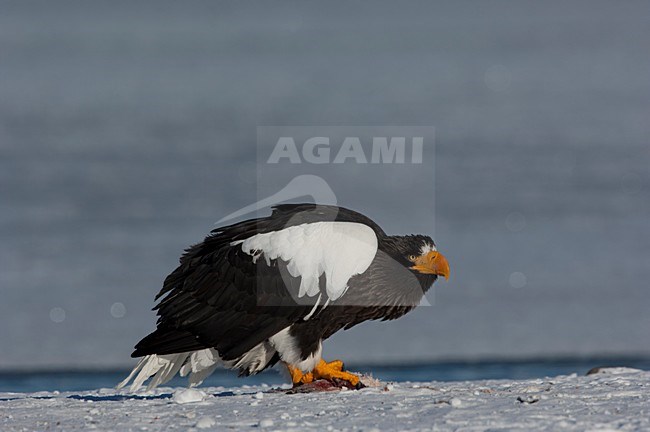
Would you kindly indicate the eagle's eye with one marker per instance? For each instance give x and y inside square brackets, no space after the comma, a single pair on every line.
[412,257]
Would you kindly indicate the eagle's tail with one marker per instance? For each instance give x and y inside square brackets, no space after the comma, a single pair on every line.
[162,368]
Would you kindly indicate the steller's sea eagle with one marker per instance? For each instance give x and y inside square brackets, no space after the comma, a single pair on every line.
[271,289]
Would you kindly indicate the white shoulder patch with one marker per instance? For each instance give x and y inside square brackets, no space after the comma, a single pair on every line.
[339,250]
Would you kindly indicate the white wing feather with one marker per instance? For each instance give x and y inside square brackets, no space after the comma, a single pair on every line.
[339,250]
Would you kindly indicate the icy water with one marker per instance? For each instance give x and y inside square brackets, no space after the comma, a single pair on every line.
[451,371]
[127,129]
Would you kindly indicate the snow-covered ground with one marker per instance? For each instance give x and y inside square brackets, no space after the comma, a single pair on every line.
[611,399]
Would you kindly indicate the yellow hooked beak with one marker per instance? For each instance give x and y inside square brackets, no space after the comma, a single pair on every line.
[432,263]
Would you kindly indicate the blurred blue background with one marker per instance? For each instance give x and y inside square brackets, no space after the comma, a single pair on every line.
[127,129]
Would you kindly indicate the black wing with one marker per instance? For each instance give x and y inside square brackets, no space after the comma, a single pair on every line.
[219,297]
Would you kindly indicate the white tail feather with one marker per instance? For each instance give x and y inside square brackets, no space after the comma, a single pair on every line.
[171,364]
[200,365]
[162,368]
[133,372]
[254,360]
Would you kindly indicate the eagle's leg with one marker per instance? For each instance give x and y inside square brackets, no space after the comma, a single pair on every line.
[334,370]
[327,370]
[299,378]
[336,364]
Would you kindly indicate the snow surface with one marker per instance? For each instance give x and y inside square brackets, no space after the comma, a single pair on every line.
[611,399]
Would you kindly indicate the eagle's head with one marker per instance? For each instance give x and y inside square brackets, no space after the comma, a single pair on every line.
[419,254]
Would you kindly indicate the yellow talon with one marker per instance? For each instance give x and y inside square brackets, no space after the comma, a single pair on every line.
[333,370]
[299,378]
[323,370]
[336,364]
